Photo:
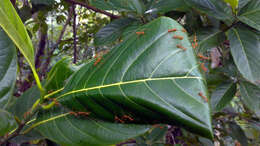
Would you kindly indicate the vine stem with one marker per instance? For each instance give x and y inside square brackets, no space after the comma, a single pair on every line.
[93,9]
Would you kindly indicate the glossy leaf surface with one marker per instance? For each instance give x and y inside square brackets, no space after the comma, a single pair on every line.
[15,29]
[8,69]
[25,102]
[65,129]
[12,24]
[250,14]
[147,77]
[113,31]
[223,95]
[164,6]
[216,8]
[59,73]
[7,122]
[251,96]
[245,49]
[208,38]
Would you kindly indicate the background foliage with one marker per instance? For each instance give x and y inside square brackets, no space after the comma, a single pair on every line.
[55,53]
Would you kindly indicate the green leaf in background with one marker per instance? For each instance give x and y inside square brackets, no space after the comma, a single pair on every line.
[245,49]
[8,69]
[157,133]
[233,4]
[131,29]
[120,5]
[209,38]
[164,6]
[13,26]
[65,129]
[148,76]
[223,95]
[250,14]
[215,8]
[113,31]
[251,96]
[237,133]
[41,2]
[242,3]
[59,73]
[25,102]
[7,122]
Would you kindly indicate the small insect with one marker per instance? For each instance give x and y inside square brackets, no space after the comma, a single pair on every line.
[172,30]
[73,113]
[55,101]
[26,114]
[158,126]
[119,120]
[203,57]
[50,91]
[83,113]
[237,143]
[184,30]
[97,61]
[178,37]
[140,33]
[181,47]
[195,44]
[202,66]
[126,117]
[203,97]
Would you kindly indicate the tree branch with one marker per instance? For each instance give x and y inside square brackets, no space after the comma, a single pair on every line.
[41,47]
[48,60]
[74,35]
[93,8]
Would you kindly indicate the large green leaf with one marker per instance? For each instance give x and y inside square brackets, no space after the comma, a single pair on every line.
[223,95]
[7,122]
[24,102]
[164,6]
[245,49]
[8,69]
[216,8]
[251,96]
[209,38]
[250,14]
[148,77]
[65,129]
[113,31]
[13,26]
[121,5]
[59,73]
[242,3]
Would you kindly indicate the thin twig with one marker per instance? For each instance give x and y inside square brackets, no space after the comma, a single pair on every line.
[18,130]
[74,35]
[48,60]
[93,9]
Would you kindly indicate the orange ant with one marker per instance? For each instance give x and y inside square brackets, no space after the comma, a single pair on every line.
[181,47]
[172,30]
[140,33]
[203,97]
[80,113]
[203,57]
[195,44]
[178,37]
[184,30]
[126,117]
[202,65]
[97,61]
[119,120]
